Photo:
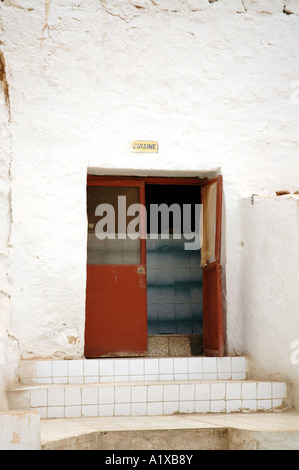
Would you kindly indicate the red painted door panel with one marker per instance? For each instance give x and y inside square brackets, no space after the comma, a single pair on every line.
[116,310]
[213,322]
[116,321]
[213,338]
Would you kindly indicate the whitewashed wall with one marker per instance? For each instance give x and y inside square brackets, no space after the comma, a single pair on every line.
[216,85]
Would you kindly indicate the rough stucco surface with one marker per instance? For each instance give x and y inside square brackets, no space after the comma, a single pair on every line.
[9,353]
[215,85]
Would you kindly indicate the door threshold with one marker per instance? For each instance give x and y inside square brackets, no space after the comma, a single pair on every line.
[166,345]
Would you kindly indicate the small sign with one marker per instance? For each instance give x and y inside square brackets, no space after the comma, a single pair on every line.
[144,146]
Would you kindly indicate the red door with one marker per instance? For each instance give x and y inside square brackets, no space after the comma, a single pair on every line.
[213,326]
[116,314]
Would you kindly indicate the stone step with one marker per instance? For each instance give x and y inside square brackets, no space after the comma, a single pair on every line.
[103,370]
[149,398]
[236,431]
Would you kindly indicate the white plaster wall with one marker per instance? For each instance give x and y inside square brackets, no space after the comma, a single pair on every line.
[20,430]
[214,84]
[9,351]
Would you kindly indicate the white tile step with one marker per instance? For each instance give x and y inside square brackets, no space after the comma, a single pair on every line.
[103,370]
[150,398]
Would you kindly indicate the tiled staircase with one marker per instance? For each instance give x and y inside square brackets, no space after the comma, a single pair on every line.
[143,386]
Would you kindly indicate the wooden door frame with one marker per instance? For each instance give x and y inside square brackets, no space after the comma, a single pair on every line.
[93,180]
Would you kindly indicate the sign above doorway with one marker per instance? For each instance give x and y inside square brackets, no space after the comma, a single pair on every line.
[144,146]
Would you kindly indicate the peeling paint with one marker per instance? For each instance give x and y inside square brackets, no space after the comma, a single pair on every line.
[73,339]
[15,438]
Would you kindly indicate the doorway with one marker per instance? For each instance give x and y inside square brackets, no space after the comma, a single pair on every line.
[153,283]
[174,275]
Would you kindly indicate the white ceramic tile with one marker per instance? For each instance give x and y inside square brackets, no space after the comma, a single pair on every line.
[187,392]
[186,406]
[72,396]
[277,403]
[279,390]
[151,378]
[249,405]
[73,411]
[60,380]
[138,409]
[217,391]
[122,394]
[195,365]
[202,391]
[238,364]
[202,406]
[238,375]
[233,391]
[224,375]
[249,391]
[56,396]
[90,410]
[92,379]
[38,397]
[122,409]
[166,377]
[195,377]
[170,407]
[91,367]
[45,380]
[151,366]
[121,367]
[264,390]
[139,394]
[166,366]
[155,393]
[106,395]
[136,378]
[209,365]
[181,377]
[180,365]
[55,412]
[107,378]
[106,367]
[265,405]
[89,395]
[75,380]
[218,406]
[224,364]
[60,368]
[75,368]
[136,367]
[44,369]
[154,408]
[121,378]
[209,376]
[106,410]
[171,393]
[233,406]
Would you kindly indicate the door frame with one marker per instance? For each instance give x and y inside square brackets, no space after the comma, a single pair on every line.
[132,180]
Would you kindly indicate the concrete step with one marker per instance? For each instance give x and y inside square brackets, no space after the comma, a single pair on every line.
[104,370]
[179,432]
[150,398]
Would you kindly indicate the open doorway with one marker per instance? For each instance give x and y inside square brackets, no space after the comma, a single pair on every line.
[174,274]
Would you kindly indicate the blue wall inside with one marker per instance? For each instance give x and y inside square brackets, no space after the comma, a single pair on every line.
[174,287]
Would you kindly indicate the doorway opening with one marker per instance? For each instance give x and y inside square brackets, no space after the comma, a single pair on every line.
[163,285]
[174,274]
